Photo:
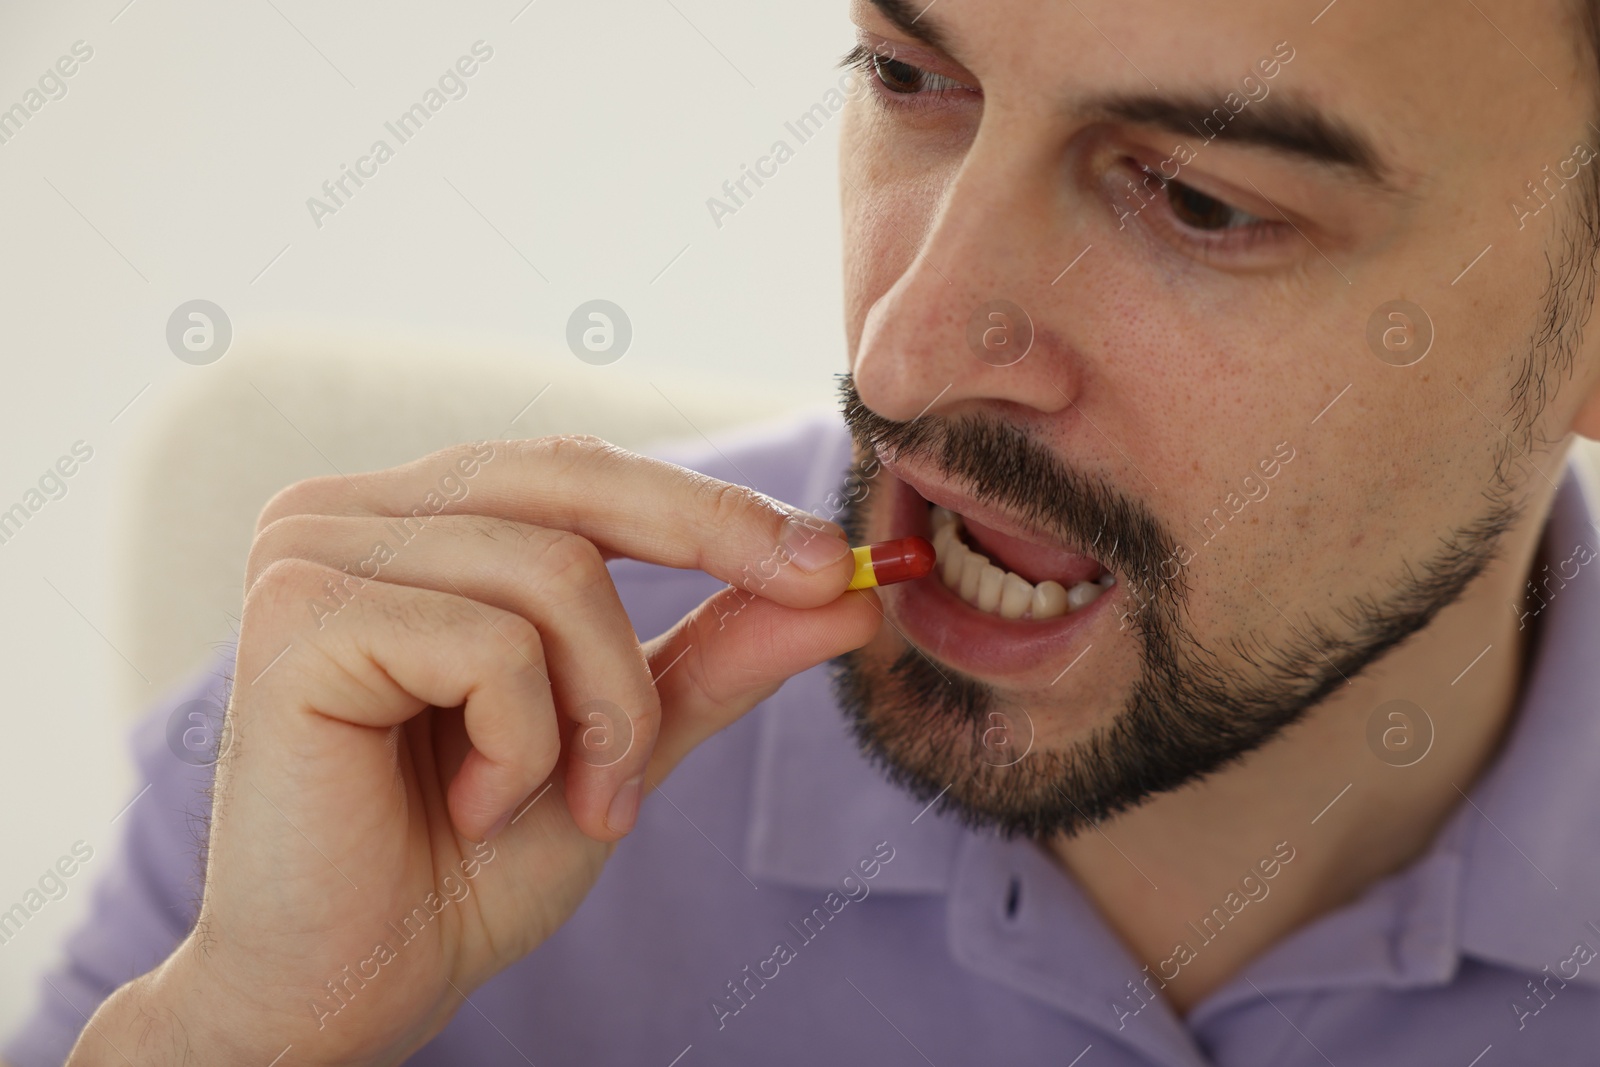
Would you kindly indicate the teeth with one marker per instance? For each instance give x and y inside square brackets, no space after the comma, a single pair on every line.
[972,566]
[952,555]
[952,560]
[1082,595]
[1016,596]
[993,589]
[942,537]
[1049,600]
[990,579]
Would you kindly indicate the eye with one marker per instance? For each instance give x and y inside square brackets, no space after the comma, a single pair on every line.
[895,77]
[903,78]
[1206,213]
[1195,221]
[1203,212]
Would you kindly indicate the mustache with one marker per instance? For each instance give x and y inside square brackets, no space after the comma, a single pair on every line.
[1002,466]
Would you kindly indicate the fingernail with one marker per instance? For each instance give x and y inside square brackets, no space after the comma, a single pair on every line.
[811,548]
[624,810]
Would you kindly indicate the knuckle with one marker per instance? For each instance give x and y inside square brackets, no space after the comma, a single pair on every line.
[283,584]
[699,677]
[647,723]
[734,505]
[467,450]
[463,457]
[568,450]
[522,650]
[298,499]
[276,540]
[569,566]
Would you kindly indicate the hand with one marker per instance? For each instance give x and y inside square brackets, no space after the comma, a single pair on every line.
[383,724]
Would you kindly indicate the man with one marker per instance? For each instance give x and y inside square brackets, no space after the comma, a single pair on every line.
[1231,354]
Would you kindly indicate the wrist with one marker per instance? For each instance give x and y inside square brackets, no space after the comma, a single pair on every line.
[188,1011]
[174,1016]
[134,1026]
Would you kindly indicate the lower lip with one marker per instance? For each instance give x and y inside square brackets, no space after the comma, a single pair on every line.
[938,621]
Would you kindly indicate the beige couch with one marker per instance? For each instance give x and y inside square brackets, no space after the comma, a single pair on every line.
[219,445]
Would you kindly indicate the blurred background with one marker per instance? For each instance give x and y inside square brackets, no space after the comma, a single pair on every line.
[175,163]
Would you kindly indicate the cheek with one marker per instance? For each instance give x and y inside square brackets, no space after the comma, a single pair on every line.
[1197,392]
[876,256]
[1178,388]
[891,188]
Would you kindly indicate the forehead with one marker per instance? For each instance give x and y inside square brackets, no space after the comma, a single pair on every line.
[1421,77]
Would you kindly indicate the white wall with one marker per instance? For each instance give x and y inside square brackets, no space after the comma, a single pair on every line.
[178,167]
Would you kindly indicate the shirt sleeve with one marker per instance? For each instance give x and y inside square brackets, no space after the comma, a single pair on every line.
[145,888]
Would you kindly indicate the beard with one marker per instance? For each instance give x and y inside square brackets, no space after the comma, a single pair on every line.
[933,730]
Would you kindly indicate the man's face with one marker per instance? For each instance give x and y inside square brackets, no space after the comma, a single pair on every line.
[1194,215]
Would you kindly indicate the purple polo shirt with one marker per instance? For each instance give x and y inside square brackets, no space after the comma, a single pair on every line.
[780,903]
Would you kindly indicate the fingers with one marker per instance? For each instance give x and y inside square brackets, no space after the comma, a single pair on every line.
[405,649]
[555,580]
[734,651]
[626,504]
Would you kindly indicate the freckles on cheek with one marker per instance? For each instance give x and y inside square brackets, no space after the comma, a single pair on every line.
[1176,377]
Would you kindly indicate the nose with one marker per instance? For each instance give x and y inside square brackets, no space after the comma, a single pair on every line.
[975,315]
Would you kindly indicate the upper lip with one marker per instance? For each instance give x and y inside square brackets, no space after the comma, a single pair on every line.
[969,507]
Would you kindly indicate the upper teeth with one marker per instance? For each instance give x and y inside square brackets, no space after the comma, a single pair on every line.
[1001,592]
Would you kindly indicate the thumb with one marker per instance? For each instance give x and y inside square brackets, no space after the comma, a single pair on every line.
[734,651]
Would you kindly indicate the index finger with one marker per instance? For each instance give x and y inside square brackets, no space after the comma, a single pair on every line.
[626,504]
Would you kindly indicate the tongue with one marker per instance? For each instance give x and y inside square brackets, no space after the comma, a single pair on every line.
[1034,562]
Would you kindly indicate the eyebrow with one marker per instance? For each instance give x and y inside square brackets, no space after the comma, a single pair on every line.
[1284,125]
[1287,126]
[907,18]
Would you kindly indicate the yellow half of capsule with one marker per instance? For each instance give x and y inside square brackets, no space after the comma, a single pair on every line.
[864,577]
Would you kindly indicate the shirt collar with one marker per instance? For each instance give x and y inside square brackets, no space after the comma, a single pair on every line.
[1530,842]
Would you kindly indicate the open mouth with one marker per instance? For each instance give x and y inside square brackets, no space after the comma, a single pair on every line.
[981,565]
[1006,598]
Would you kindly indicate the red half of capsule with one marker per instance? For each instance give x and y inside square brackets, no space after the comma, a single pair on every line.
[888,562]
